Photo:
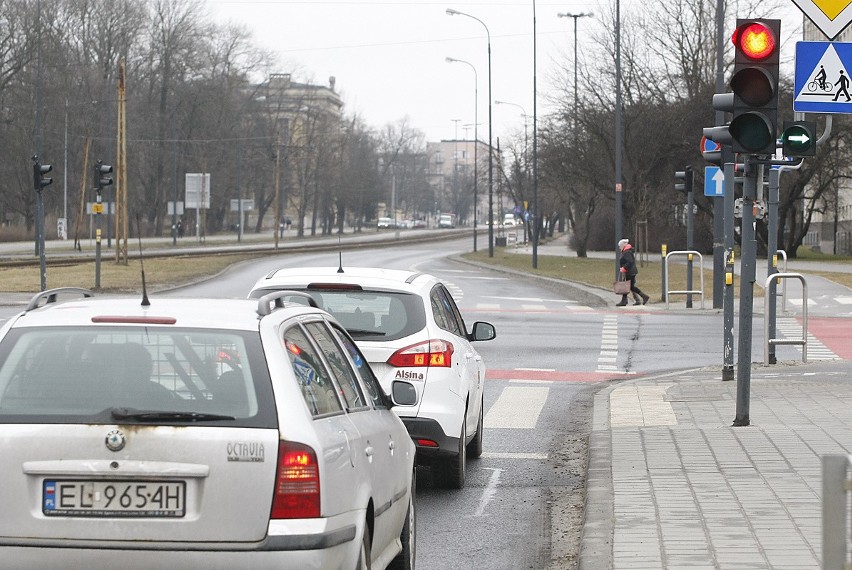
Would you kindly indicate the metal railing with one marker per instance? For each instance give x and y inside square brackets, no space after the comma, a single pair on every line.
[784,283]
[774,341]
[836,485]
[686,292]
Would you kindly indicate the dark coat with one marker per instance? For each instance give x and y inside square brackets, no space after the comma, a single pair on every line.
[628,261]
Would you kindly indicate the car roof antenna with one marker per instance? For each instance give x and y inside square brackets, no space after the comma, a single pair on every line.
[339,255]
[145,301]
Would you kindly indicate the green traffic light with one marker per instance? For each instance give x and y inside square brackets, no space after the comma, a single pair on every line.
[798,139]
[753,133]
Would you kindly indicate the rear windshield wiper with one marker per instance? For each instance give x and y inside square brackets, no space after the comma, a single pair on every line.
[365,332]
[151,415]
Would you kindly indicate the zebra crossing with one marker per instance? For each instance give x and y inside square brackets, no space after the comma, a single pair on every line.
[789,327]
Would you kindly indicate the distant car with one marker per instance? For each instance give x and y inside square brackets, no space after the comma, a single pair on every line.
[196,433]
[416,341]
[418,224]
[509,221]
[446,221]
[386,223]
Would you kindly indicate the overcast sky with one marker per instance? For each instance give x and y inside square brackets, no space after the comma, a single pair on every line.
[389,56]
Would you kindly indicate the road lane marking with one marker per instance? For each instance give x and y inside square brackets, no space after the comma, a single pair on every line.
[518,407]
[489,491]
[792,328]
[528,374]
[608,357]
[512,455]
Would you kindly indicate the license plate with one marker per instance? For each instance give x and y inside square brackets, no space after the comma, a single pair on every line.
[81,498]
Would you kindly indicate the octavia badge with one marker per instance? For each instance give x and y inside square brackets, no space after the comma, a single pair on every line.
[115,440]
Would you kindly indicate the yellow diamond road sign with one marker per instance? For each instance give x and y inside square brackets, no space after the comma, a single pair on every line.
[830,16]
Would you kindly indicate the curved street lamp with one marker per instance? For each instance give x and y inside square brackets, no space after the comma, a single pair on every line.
[451,12]
[526,149]
[475,138]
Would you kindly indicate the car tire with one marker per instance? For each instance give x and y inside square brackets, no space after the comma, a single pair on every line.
[474,448]
[452,470]
[405,560]
[364,562]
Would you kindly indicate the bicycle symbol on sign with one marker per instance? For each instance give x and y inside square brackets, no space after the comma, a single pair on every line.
[819,82]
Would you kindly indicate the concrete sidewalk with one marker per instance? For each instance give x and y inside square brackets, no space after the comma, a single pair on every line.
[673,485]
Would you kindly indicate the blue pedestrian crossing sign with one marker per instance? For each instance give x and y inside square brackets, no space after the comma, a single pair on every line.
[823,83]
[714,181]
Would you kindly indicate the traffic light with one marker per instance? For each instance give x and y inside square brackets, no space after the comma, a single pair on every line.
[101,170]
[799,138]
[754,84]
[687,177]
[39,178]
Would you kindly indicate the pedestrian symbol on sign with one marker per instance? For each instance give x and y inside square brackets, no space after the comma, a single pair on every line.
[822,77]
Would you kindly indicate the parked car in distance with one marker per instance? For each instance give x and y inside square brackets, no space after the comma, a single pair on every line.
[386,223]
[446,221]
[416,341]
[509,221]
[197,433]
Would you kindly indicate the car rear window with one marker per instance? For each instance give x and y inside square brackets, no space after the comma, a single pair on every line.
[371,315]
[74,374]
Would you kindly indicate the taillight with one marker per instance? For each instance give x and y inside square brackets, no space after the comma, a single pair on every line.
[297,485]
[433,352]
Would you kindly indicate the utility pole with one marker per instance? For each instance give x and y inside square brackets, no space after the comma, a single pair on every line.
[121,173]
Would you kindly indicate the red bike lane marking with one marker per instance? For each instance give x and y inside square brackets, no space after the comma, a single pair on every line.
[834,333]
[553,375]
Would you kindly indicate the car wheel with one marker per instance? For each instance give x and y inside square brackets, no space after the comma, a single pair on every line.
[405,559]
[474,448]
[364,562]
[451,471]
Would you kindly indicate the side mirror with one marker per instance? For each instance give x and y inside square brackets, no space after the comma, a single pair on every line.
[403,393]
[483,331]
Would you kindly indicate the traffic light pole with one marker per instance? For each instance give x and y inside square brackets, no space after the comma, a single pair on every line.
[728,305]
[771,256]
[753,174]
[42,264]
[690,245]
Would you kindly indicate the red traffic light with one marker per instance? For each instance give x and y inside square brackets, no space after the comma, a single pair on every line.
[755,40]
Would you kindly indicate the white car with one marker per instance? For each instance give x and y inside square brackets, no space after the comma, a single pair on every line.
[196,433]
[415,339]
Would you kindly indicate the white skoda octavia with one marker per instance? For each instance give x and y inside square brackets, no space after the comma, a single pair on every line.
[416,341]
[197,433]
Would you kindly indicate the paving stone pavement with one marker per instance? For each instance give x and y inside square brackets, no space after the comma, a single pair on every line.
[673,485]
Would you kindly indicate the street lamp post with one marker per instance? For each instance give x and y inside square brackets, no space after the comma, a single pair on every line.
[536,225]
[526,126]
[451,12]
[475,138]
[526,157]
[576,17]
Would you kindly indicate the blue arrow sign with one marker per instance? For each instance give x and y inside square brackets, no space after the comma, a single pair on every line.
[822,83]
[714,181]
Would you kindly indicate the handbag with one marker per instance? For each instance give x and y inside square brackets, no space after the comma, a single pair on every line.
[621,286]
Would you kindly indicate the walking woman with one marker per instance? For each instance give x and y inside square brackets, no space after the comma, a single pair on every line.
[627,261]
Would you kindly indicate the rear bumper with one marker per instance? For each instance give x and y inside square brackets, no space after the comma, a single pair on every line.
[429,429]
[308,543]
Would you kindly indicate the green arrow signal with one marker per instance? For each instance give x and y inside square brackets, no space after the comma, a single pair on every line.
[798,139]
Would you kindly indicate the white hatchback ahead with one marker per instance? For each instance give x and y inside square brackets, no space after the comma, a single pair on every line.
[196,433]
[416,341]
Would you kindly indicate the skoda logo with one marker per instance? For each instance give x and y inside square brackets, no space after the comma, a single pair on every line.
[115,440]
